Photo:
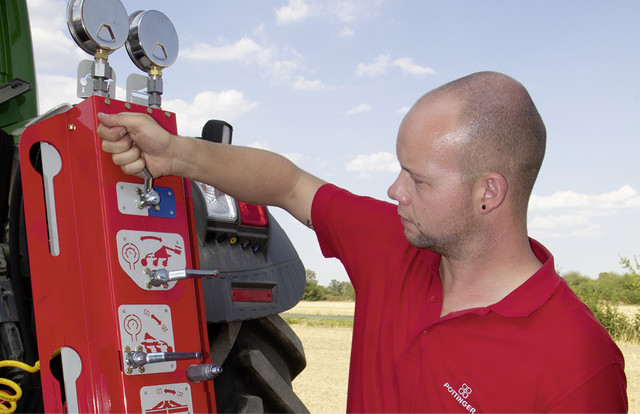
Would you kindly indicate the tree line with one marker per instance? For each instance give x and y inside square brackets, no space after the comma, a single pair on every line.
[336,290]
[602,295]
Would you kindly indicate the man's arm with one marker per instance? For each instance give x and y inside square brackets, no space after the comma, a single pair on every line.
[251,175]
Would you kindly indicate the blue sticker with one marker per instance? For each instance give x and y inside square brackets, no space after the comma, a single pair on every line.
[167,206]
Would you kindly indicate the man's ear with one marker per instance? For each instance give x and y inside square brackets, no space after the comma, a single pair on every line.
[491,191]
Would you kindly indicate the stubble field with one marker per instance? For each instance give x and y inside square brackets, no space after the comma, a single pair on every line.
[322,386]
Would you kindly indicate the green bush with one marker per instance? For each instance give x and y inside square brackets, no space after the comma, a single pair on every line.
[602,295]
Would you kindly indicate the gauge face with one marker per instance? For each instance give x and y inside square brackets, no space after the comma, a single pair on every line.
[152,40]
[97,24]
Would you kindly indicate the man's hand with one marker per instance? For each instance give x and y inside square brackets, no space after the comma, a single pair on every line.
[135,141]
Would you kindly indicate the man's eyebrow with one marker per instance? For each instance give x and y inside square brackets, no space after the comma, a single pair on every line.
[413,173]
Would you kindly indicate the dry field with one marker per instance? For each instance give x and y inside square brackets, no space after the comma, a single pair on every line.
[322,386]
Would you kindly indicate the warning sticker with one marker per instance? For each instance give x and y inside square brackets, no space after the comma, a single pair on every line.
[165,399]
[146,328]
[140,252]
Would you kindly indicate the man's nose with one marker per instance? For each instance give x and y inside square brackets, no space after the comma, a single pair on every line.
[396,192]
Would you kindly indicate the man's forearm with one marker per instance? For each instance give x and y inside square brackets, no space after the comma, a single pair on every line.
[249,174]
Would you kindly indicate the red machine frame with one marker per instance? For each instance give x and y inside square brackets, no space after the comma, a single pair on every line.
[78,293]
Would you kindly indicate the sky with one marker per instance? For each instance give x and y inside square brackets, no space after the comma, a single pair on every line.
[326,83]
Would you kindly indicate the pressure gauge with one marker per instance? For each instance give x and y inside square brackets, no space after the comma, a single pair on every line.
[152,41]
[98,24]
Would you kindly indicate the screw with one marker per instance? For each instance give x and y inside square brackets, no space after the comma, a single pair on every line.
[127,105]
[138,190]
[149,285]
[165,285]
[129,371]
[107,101]
[71,127]
[146,270]
[157,208]
[149,111]
[127,349]
[139,348]
[167,114]
[141,370]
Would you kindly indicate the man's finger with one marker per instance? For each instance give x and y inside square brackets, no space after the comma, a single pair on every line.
[114,147]
[126,157]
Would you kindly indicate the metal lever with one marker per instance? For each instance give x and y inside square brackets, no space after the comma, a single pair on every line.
[148,197]
[162,276]
[203,372]
[138,358]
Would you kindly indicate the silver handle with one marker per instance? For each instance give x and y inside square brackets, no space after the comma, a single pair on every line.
[138,358]
[149,197]
[162,276]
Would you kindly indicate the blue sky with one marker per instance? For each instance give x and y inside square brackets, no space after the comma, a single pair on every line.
[326,83]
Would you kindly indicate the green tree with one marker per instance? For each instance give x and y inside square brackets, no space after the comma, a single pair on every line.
[341,290]
[312,290]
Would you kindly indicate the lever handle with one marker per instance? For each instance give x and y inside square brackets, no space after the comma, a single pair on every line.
[138,358]
[149,197]
[161,276]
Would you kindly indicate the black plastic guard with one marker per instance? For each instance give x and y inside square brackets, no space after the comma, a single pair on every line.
[275,274]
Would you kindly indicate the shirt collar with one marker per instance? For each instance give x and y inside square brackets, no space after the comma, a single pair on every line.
[533,293]
[526,298]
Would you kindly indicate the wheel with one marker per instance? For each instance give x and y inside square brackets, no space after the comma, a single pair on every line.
[259,358]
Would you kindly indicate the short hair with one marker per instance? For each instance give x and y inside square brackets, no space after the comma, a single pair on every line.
[505,132]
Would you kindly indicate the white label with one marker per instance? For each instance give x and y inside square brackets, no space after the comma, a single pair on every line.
[140,252]
[146,328]
[128,196]
[165,399]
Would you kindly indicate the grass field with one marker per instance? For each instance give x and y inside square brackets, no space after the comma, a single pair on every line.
[322,386]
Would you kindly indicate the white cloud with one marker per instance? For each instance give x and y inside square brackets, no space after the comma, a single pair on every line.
[294,157]
[50,37]
[260,145]
[295,11]
[227,105]
[377,162]
[382,63]
[359,108]
[280,64]
[54,90]
[407,66]
[625,197]
[344,10]
[346,32]
[378,67]
[567,213]
[244,49]
[307,85]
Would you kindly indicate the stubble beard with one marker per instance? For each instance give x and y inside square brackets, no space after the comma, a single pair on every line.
[453,243]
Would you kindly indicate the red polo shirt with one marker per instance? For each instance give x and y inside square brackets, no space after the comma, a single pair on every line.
[538,349]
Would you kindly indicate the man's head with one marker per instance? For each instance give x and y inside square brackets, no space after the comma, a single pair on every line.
[465,148]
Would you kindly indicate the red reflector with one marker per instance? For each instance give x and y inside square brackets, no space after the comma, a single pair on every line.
[252,215]
[251,295]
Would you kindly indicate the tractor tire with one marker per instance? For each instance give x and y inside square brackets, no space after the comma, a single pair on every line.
[260,358]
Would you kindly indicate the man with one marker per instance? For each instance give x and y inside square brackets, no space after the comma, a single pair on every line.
[457,309]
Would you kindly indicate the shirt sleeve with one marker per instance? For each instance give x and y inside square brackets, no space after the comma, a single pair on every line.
[354,229]
[605,392]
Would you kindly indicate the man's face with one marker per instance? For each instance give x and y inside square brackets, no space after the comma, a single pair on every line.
[433,203]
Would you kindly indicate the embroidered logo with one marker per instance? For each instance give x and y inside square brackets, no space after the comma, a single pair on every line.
[465,390]
[461,395]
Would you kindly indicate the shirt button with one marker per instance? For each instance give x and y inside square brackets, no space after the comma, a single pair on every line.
[434,299]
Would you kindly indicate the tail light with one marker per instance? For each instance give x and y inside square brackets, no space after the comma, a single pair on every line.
[252,215]
[220,206]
